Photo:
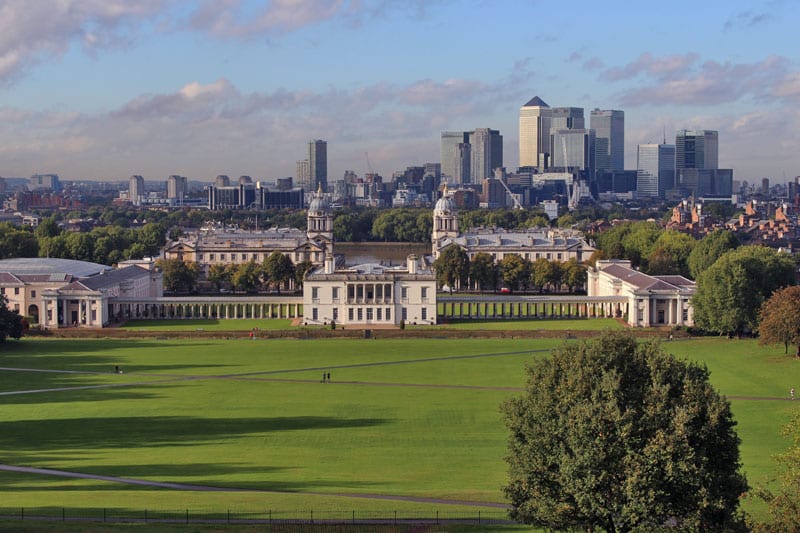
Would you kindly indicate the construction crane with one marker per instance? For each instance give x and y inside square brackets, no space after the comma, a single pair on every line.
[514,199]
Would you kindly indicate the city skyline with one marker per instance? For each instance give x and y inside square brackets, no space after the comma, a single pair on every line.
[106,90]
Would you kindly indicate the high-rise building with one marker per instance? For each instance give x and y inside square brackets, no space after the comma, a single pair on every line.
[655,169]
[177,187]
[534,133]
[222,181]
[136,189]
[486,147]
[455,156]
[697,149]
[302,174]
[566,118]
[609,128]
[578,146]
[318,164]
[44,182]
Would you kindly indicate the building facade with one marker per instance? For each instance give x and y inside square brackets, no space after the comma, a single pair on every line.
[486,154]
[696,149]
[609,128]
[655,169]
[136,189]
[177,187]
[370,294]
[651,300]
[318,164]
[534,133]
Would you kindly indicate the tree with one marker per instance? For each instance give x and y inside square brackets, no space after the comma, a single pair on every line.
[708,249]
[10,321]
[178,276]
[483,271]
[300,270]
[516,271]
[541,273]
[670,254]
[574,274]
[784,507]
[246,276]
[220,275]
[731,291]
[779,320]
[452,267]
[615,434]
[278,269]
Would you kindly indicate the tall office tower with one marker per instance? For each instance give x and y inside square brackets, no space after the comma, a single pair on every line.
[578,146]
[486,148]
[44,182]
[318,164]
[302,174]
[655,169]
[534,133]
[222,181]
[566,118]
[455,156]
[609,128]
[177,187]
[697,149]
[136,189]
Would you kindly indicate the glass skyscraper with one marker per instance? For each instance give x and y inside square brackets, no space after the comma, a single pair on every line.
[697,149]
[609,127]
[655,169]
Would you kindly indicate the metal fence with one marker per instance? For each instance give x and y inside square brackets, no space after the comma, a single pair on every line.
[266,516]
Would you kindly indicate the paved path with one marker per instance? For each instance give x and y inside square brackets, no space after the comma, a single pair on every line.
[208,488]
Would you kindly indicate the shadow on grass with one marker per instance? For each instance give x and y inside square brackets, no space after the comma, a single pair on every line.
[40,436]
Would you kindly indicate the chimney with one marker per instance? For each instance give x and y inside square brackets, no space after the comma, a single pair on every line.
[412,264]
[330,264]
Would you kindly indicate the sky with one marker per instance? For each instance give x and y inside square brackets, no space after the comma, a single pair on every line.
[103,89]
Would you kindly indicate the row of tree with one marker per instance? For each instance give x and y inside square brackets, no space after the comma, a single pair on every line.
[276,272]
[454,269]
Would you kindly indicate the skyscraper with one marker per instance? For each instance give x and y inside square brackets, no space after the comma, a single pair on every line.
[486,146]
[534,133]
[318,164]
[136,189]
[566,118]
[456,156]
[697,149]
[609,128]
[655,169]
[578,146]
[177,187]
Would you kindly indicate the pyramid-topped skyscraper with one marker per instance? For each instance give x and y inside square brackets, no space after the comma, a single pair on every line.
[534,133]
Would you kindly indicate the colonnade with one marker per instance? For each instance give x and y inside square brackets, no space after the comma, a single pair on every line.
[205,309]
[525,307]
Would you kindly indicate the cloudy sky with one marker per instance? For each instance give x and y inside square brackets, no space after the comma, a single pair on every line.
[102,89]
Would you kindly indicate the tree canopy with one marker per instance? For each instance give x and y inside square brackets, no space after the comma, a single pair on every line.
[779,321]
[619,435]
[452,267]
[708,249]
[731,291]
[10,321]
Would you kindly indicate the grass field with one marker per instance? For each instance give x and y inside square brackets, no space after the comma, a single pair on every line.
[401,418]
[209,324]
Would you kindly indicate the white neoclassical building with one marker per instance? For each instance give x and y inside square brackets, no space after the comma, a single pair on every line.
[370,294]
[651,300]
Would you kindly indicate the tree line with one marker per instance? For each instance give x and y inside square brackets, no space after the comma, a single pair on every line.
[455,270]
[277,271]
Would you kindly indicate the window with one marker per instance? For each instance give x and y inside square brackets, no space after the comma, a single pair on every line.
[233,257]
[314,314]
[351,292]
[16,290]
[559,257]
[378,313]
[210,257]
[424,313]
[314,293]
[379,292]
[199,257]
[387,291]
[369,313]
[549,256]
[360,314]
[33,294]
[405,313]
[404,292]
[350,314]
[388,313]
[685,315]
[424,292]
[222,257]
[360,292]
[335,293]
[336,313]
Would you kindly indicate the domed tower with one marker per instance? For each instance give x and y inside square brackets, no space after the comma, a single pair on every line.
[445,220]
[320,220]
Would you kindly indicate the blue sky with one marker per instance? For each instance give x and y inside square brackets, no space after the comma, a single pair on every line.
[102,89]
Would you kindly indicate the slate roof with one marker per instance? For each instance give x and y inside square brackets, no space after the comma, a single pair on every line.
[108,279]
[644,281]
[46,266]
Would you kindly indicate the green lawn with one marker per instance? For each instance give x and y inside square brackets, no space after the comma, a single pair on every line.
[589,324]
[401,417]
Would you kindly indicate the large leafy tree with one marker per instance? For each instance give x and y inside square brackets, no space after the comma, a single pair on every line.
[731,291]
[10,321]
[246,276]
[516,271]
[708,249]
[278,269]
[178,276]
[452,267]
[542,273]
[779,321]
[483,271]
[220,275]
[621,436]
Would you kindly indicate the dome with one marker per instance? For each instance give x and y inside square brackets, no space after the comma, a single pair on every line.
[445,204]
[319,205]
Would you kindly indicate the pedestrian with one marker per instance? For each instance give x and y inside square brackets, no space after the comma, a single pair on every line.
[323,377]
[116,369]
[791,393]
[329,376]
